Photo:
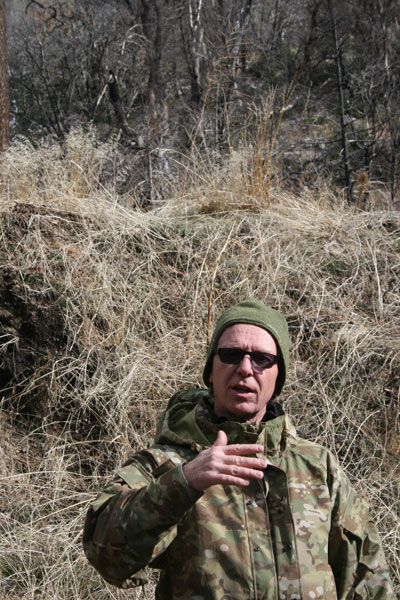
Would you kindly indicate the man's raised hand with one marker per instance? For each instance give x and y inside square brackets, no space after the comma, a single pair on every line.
[226,464]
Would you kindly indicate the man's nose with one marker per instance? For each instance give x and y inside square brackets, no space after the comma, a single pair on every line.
[245,366]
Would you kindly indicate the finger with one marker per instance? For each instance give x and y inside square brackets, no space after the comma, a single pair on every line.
[221,440]
[229,480]
[246,461]
[238,478]
[244,473]
[239,449]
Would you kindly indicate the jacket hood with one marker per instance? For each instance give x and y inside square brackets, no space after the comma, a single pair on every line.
[178,424]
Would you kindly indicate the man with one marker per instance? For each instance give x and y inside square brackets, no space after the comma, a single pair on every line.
[229,503]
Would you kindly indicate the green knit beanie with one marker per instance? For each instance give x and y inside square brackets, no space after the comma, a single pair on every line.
[254,312]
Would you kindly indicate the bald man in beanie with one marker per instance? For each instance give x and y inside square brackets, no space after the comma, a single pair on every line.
[229,503]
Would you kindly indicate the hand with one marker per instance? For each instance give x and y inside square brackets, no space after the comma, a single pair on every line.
[225,464]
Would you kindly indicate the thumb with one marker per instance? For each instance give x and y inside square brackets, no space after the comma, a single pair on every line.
[221,440]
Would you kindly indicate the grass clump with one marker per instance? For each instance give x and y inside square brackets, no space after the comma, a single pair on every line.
[54,172]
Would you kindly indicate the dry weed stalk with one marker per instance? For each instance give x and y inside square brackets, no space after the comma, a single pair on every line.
[210,295]
[134,290]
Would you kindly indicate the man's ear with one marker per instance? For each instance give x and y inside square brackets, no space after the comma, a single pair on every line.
[210,378]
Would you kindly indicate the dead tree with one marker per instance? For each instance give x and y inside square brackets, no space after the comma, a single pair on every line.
[340,87]
[4,96]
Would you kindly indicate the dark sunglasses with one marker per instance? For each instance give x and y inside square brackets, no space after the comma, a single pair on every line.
[259,360]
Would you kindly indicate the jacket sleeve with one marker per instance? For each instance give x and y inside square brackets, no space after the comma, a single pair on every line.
[355,550]
[134,520]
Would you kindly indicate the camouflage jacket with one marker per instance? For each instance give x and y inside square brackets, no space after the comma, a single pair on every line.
[302,532]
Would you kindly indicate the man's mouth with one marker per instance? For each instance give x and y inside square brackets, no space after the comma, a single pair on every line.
[242,389]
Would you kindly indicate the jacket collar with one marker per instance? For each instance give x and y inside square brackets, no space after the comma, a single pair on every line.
[273,433]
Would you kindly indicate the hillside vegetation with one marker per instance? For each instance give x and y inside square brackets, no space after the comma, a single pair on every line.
[105,312]
[168,76]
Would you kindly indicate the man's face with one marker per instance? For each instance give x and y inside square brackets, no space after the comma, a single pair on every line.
[240,393]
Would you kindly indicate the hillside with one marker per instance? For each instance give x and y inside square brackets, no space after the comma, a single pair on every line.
[105,313]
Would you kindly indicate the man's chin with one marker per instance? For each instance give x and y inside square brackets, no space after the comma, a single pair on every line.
[246,413]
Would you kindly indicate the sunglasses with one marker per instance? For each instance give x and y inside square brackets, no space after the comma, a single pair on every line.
[259,360]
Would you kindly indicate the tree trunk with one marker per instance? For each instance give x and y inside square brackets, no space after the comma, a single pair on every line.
[4,96]
[339,72]
[151,18]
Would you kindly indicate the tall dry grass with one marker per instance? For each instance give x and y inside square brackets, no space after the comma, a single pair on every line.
[134,290]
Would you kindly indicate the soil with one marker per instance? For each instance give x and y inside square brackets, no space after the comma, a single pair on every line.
[32,330]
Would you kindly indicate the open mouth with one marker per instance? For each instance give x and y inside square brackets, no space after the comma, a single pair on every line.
[242,389]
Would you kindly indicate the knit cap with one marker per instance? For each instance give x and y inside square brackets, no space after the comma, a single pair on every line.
[253,312]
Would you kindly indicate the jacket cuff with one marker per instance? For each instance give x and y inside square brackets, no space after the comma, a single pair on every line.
[185,482]
[174,493]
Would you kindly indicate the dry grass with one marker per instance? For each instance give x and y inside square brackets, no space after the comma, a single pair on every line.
[134,291]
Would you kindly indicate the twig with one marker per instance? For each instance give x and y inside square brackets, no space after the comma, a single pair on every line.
[212,283]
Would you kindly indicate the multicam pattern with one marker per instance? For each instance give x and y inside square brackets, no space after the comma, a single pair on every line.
[301,533]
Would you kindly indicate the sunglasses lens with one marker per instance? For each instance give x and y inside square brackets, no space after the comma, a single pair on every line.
[234,356]
[231,356]
[262,360]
